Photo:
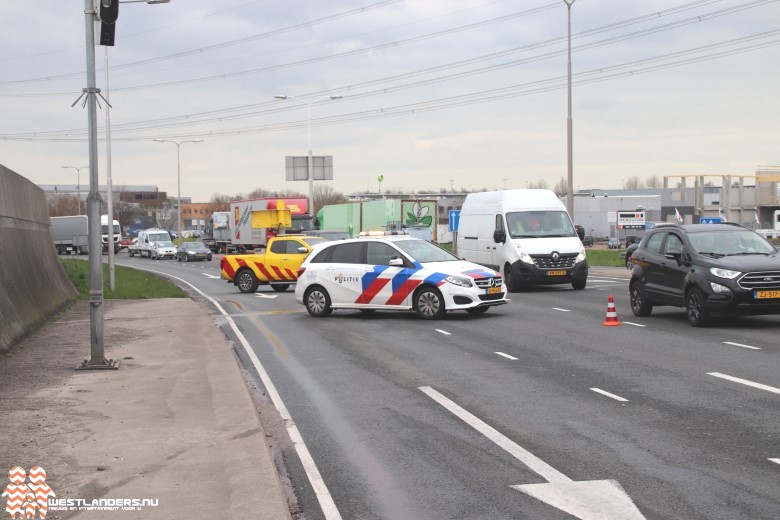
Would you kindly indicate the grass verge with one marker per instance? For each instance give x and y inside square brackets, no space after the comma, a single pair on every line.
[131,284]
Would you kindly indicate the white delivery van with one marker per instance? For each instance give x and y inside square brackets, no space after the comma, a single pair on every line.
[527,235]
[147,240]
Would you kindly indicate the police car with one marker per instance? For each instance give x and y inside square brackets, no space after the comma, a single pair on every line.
[394,273]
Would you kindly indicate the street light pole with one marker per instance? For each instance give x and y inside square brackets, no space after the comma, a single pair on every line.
[178,176]
[78,185]
[309,172]
[570,187]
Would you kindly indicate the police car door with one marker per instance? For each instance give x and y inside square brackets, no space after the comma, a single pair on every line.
[344,273]
[381,282]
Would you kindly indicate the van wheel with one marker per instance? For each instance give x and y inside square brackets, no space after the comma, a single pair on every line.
[694,306]
[246,281]
[317,302]
[509,279]
[579,285]
[280,287]
[429,303]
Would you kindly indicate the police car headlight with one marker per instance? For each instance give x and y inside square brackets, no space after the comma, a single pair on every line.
[523,255]
[724,273]
[459,281]
[581,257]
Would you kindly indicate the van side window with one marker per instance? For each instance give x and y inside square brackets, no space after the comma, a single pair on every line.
[499,223]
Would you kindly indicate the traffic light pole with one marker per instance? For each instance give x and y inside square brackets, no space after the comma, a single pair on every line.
[94,205]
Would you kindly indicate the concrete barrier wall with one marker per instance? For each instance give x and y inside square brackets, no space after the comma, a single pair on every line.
[33,285]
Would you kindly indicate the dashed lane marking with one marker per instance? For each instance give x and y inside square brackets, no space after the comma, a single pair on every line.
[745,382]
[506,356]
[740,345]
[612,396]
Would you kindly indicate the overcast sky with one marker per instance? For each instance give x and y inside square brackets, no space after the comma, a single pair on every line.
[436,93]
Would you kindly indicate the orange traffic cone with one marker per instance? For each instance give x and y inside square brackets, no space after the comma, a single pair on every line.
[612,318]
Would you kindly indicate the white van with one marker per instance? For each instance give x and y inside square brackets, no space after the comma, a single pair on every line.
[525,234]
[147,240]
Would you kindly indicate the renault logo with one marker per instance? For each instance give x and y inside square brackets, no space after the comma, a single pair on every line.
[556,256]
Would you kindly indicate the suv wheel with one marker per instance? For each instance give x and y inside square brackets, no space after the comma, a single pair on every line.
[639,304]
[694,306]
[317,302]
[246,281]
[429,303]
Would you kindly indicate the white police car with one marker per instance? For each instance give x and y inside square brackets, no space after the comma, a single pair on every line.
[394,273]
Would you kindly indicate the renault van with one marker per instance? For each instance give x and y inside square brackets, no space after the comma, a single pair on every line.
[527,235]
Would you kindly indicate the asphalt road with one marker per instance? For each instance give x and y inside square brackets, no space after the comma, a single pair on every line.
[406,418]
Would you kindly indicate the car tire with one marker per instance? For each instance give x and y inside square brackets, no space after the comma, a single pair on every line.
[429,303]
[246,281]
[640,305]
[317,301]
[178,258]
[694,308]
[281,287]
[579,285]
[509,279]
[477,310]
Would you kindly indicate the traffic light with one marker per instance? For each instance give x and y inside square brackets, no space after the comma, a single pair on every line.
[109,12]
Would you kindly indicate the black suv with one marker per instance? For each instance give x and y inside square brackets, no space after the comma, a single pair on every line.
[706,268]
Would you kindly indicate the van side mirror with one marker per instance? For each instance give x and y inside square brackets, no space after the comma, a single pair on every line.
[499,236]
[581,232]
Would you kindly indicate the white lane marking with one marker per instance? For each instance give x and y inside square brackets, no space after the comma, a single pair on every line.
[261,295]
[559,309]
[613,396]
[745,382]
[606,280]
[775,460]
[507,356]
[210,275]
[740,345]
[634,324]
[324,497]
[604,499]
[443,332]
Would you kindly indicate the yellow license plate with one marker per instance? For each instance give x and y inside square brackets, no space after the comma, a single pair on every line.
[761,295]
[556,273]
[494,290]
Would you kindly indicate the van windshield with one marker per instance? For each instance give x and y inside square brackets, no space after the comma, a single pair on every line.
[539,224]
[159,237]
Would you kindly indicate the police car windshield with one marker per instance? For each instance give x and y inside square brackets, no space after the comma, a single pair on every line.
[539,224]
[423,251]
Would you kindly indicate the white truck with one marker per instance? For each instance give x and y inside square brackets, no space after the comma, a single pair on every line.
[70,234]
[104,233]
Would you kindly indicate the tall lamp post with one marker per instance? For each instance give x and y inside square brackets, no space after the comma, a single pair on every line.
[78,180]
[308,127]
[570,187]
[178,175]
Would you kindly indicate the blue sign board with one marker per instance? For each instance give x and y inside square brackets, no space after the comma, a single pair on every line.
[710,220]
[454,219]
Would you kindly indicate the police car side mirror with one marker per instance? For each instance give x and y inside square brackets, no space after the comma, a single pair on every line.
[396,262]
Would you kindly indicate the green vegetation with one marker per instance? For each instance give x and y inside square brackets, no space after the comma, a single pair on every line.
[608,257]
[130,283]
[596,257]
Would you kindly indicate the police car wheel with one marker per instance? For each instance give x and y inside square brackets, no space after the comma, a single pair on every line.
[317,302]
[429,303]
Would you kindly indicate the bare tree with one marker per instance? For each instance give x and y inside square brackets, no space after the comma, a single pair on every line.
[654,181]
[561,187]
[60,205]
[325,195]
[541,184]
[633,183]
